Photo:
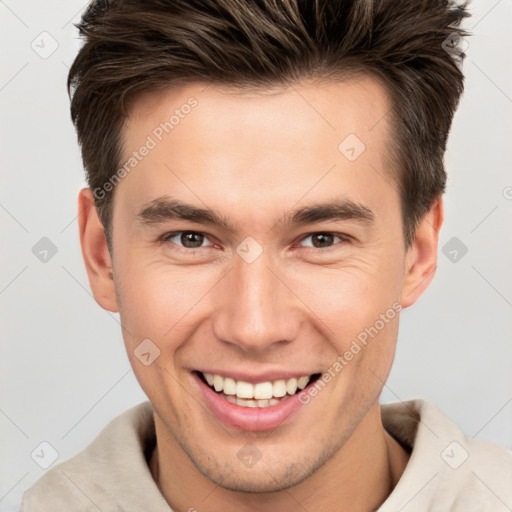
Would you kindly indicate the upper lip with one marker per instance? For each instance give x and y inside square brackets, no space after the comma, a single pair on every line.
[255,378]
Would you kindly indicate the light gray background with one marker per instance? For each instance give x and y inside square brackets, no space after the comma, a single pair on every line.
[64,372]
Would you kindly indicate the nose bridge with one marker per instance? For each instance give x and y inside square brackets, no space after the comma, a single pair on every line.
[255,309]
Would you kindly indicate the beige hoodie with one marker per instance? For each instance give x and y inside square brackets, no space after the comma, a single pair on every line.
[446,471]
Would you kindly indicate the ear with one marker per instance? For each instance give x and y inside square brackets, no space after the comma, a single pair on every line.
[95,252]
[421,257]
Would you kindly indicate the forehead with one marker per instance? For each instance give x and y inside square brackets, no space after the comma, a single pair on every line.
[230,143]
[356,103]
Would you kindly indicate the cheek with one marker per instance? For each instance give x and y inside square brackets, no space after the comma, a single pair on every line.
[158,301]
[157,313]
[349,299]
[357,310]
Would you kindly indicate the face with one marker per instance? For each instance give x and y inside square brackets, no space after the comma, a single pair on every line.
[259,239]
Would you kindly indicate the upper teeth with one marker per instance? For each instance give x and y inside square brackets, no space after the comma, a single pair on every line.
[259,391]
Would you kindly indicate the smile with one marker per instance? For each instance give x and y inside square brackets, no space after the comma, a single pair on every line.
[261,394]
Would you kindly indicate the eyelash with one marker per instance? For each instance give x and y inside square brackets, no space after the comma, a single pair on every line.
[341,236]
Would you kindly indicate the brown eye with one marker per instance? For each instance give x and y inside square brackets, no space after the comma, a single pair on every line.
[320,240]
[186,239]
[191,239]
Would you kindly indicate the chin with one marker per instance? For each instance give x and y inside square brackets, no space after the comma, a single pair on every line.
[271,475]
[260,480]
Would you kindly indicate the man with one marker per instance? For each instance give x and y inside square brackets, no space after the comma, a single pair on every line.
[265,197]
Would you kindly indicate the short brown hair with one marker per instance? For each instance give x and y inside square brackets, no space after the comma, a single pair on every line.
[135,46]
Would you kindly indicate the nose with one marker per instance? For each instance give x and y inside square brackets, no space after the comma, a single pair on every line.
[254,307]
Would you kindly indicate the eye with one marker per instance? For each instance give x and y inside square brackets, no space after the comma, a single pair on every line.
[186,239]
[324,239]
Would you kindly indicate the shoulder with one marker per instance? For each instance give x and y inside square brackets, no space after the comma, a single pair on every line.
[63,488]
[447,470]
[94,478]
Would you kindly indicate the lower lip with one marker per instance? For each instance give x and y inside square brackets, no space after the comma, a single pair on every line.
[248,418]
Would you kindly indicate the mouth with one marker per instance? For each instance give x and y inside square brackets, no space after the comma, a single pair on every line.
[258,395]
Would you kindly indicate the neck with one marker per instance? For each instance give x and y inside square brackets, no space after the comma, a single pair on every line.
[359,477]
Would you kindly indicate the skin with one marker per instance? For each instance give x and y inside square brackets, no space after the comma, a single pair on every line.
[253,156]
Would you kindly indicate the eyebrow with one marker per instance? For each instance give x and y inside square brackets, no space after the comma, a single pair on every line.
[165,208]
